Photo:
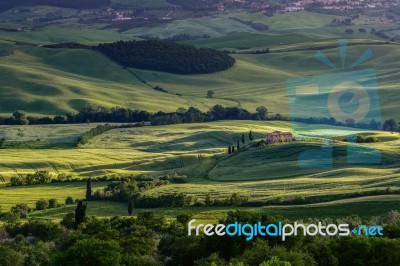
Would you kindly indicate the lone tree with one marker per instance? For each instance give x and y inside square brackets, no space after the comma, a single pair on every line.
[243,141]
[229,149]
[390,125]
[233,149]
[183,219]
[88,188]
[210,94]
[262,112]
[130,208]
[251,136]
[21,117]
[80,213]
[238,145]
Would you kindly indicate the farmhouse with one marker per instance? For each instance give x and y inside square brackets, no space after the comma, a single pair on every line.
[278,136]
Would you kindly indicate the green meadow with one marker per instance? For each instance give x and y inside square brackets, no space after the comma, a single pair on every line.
[45,81]
[261,173]
[55,81]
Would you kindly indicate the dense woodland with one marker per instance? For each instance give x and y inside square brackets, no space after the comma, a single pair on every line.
[167,56]
[149,240]
[78,4]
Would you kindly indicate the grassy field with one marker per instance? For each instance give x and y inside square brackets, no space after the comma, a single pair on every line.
[56,81]
[42,77]
[46,81]
[30,194]
[366,208]
[262,174]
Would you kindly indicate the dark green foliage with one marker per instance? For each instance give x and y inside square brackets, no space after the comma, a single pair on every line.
[213,259]
[390,125]
[231,200]
[169,200]
[40,177]
[256,26]
[229,149]
[53,203]
[393,230]
[69,220]
[183,219]
[68,45]
[243,140]
[358,138]
[42,229]
[92,252]
[88,189]
[251,138]
[80,213]
[167,56]
[371,251]
[10,257]
[87,136]
[238,145]
[69,200]
[21,210]
[130,208]
[261,251]
[20,118]
[262,112]
[42,204]
[149,240]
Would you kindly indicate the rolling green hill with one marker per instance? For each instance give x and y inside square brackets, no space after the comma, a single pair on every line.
[56,81]
[263,173]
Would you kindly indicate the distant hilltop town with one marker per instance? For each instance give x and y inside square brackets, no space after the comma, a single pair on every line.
[127,16]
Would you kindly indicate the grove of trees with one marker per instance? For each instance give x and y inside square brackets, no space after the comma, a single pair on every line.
[167,56]
[151,240]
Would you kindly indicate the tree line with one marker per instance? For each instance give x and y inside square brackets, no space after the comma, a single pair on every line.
[100,129]
[91,113]
[167,56]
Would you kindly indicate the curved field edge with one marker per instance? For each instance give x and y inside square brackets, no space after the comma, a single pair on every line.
[365,207]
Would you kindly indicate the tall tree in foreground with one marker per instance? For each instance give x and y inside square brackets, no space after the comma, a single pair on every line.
[80,213]
[130,208]
[88,188]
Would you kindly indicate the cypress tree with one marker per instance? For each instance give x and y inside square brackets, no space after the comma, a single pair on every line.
[233,149]
[243,138]
[251,136]
[88,188]
[130,208]
[229,149]
[80,213]
[238,145]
